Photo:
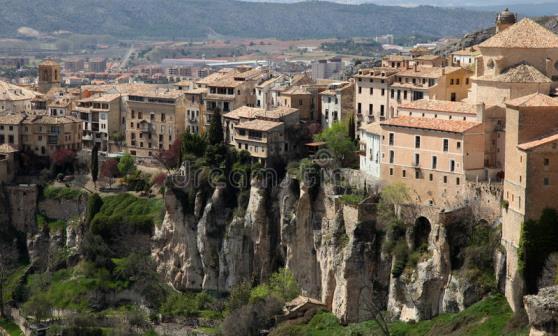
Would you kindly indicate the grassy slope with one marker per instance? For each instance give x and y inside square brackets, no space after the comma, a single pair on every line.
[488,317]
[11,328]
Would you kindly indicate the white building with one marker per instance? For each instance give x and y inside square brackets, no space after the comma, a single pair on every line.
[370,149]
[337,103]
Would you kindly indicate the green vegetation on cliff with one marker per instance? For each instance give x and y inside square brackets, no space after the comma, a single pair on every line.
[489,317]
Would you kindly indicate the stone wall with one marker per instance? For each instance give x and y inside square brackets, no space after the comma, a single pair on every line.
[22,201]
[63,209]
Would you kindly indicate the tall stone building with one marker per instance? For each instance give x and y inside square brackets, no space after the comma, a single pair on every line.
[49,75]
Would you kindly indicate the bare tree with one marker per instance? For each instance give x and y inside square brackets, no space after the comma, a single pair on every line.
[376,312]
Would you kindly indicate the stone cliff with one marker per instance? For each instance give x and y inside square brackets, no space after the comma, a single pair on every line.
[334,250]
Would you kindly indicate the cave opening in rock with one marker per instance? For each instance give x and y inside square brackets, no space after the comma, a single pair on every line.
[421,232]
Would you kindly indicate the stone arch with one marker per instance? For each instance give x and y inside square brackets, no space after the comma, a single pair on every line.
[421,231]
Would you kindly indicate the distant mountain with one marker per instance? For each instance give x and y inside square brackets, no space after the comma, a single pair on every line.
[200,18]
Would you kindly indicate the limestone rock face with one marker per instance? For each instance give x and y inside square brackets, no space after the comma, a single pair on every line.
[459,294]
[542,310]
[333,249]
[417,294]
[175,245]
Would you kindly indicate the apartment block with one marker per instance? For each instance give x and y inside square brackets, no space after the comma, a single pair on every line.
[434,157]
[372,94]
[154,120]
[229,89]
[102,117]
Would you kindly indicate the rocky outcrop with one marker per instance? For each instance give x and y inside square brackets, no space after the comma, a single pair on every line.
[542,310]
[417,294]
[333,249]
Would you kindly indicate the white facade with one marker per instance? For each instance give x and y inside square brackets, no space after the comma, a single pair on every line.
[331,110]
[370,157]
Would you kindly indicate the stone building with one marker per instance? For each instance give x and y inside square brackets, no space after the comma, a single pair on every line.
[49,75]
[154,120]
[531,174]
[195,110]
[371,94]
[229,89]
[102,119]
[15,99]
[7,163]
[434,157]
[434,83]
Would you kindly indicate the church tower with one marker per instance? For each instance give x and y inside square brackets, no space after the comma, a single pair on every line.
[49,75]
[504,20]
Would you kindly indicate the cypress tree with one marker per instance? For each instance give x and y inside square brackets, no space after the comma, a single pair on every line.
[215,132]
[95,164]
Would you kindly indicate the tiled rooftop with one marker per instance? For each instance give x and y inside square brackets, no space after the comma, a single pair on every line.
[539,142]
[452,126]
[522,73]
[259,125]
[243,112]
[441,106]
[533,100]
[524,34]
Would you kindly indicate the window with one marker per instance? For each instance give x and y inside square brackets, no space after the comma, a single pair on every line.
[458,145]
[382,109]
[546,161]
[417,174]
[452,165]
[417,159]
[445,179]
[546,181]
[451,81]
[162,117]
[431,177]
[359,89]
[434,162]
[370,109]
[359,108]
[457,181]
[383,92]
[391,171]
[417,141]
[371,91]
[404,173]
[391,156]
[446,145]
[391,139]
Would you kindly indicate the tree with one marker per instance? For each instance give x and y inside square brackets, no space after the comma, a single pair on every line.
[7,261]
[109,169]
[215,131]
[337,140]
[95,164]
[118,138]
[193,144]
[126,165]
[63,158]
[391,199]
[170,158]
[94,204]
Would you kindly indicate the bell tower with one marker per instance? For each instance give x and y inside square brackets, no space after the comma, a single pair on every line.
[504,20]
[49,75]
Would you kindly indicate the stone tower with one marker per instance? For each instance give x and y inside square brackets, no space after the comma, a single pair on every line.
[49,75]
[504,20]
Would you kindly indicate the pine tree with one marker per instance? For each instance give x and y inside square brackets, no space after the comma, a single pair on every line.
[215,132]
[95,164]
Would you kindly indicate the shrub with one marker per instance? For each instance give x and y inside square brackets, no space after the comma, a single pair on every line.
[59,193]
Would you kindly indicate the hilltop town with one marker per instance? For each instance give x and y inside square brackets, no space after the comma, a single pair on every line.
[422,151]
